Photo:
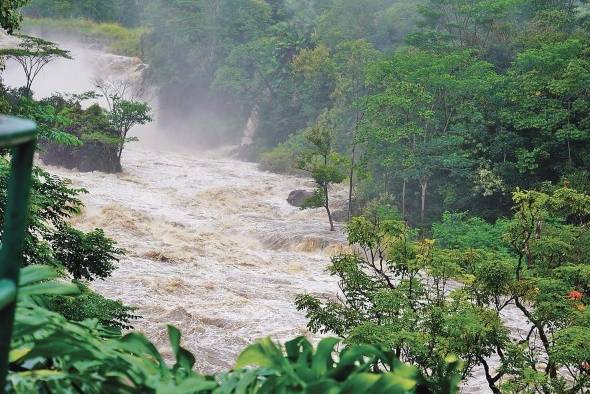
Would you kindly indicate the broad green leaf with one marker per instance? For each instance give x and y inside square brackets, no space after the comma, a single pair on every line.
[184,358]
[322,360]
[360,383]
[48,288]
[36,273]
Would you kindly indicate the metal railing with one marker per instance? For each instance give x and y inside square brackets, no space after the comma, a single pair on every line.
[20,136]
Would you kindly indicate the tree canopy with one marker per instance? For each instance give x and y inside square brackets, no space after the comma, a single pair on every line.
[33,54]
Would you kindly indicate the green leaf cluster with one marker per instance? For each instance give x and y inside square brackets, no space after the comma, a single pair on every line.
[10,16]
[427,299]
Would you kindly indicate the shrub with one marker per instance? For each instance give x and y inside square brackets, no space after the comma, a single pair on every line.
[89,304]
[283,158]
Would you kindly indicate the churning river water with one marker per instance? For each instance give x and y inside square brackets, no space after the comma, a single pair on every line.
[213,248]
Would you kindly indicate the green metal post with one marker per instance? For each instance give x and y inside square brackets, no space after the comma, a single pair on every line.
[20,136]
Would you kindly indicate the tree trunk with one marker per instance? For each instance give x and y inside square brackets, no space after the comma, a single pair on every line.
[327,205]
[29,84]
[492,380]
[551,369]
[404,198]
[120,151]
[359,116]
[28,87]
[122,145]
[350,183]
[423,186]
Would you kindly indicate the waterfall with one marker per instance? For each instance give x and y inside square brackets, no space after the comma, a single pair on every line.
[251,127]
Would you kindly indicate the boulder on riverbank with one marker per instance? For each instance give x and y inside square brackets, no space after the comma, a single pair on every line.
[298,197]
[91,156]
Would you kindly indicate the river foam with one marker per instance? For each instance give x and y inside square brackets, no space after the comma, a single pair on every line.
[213,248]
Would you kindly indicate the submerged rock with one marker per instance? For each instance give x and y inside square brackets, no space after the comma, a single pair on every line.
[298,197]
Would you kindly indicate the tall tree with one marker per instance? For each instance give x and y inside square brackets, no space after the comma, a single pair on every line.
[33,54]
[546,96]
[349,97]
[423,101]
[323,163]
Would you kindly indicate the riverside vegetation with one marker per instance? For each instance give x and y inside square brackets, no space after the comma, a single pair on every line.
[461,129]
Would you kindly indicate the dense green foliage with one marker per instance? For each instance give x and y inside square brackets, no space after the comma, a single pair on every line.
[102,133]
[442,105]
[98,140]
[486,107]
[10,15]
[426,299]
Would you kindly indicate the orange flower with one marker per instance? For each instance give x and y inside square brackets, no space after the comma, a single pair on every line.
[575,295]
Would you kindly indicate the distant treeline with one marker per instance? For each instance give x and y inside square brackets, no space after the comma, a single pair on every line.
[125,12]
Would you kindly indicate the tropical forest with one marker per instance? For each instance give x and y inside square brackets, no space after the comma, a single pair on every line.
[295,196]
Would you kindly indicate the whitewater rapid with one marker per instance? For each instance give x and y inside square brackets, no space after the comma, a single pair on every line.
[213,248]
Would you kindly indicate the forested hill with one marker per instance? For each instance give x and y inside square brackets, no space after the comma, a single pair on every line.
[449,104]
[246,56]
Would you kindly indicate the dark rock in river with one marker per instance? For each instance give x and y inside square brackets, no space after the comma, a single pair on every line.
[298,197]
